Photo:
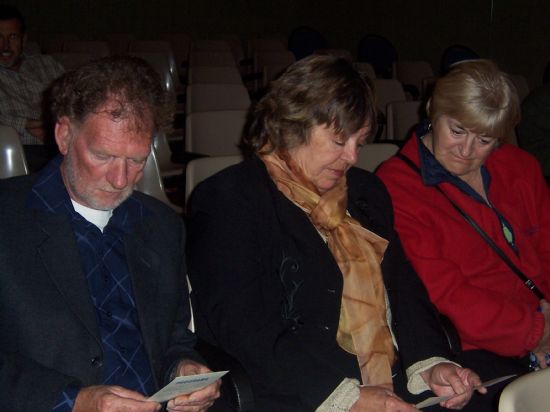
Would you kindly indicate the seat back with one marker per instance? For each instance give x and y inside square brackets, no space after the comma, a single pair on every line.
[213,75]
[159,61]
[387,90]
[212,58]
[215,133]
[271,57]
[265,44]
[236,45]
[97,48]
[160,47]
[181,46]
[402,116]
[211,45]
[72,60]
[271,63]
[200,169]
[372,154]
[528,393]
[54,42]
[214,97]
[151,182]
[413,73]
[119,42]
[163,152]
[12,156]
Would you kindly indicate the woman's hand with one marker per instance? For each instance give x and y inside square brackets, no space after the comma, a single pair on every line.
[380,399]
[446,379]
[543,346]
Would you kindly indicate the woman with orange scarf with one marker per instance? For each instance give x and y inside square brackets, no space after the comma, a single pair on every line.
[295,266]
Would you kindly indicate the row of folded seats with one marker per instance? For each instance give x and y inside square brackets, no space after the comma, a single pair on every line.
[214,83]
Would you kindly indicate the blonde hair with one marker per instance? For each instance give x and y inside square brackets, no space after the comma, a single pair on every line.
[480,96]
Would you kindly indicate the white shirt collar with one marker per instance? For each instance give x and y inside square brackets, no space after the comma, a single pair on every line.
[100,218]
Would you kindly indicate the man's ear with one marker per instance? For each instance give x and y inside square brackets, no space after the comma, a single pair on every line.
[63,134]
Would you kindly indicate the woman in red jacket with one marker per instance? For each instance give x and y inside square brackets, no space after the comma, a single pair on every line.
[460,158]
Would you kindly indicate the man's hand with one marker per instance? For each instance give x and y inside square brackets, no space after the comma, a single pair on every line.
[446,379]
[200,400]
[111,399]
[380,399]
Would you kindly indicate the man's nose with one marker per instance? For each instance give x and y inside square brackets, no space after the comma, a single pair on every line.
[118,174]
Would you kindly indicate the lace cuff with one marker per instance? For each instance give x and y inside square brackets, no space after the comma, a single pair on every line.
[415,383]
[342,398]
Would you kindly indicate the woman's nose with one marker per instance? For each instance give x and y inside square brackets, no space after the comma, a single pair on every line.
[350,152]
[467,147]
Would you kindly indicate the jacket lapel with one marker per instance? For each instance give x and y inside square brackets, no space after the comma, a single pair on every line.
[59,254]
[144,267]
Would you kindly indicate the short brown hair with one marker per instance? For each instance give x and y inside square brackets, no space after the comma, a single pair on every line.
[479,95]
[130,81]
[317,90]
[9,12]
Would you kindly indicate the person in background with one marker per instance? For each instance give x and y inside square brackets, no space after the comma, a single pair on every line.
[295,266]
[94,307]
[534,127]
[460,160]
[23,79]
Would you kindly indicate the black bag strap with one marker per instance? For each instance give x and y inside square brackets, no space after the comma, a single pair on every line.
[526,281]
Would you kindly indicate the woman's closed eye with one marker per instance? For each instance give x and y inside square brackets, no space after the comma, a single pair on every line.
[485,140]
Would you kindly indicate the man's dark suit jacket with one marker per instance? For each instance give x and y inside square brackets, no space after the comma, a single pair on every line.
[48,329]
[268,290]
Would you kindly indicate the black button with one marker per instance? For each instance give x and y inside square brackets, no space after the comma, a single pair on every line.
[97,362]
[109,314]
[326,327]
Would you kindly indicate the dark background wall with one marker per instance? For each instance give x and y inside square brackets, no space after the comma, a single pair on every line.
[515,33]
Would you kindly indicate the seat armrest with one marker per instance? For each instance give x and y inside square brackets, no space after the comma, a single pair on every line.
[236,388]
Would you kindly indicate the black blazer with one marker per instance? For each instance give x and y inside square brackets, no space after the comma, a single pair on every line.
[48,330]
[268,290]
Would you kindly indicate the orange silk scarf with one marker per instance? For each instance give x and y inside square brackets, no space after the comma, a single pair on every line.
[362,329]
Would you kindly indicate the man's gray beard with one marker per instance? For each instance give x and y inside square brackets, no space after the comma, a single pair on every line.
[72,180]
